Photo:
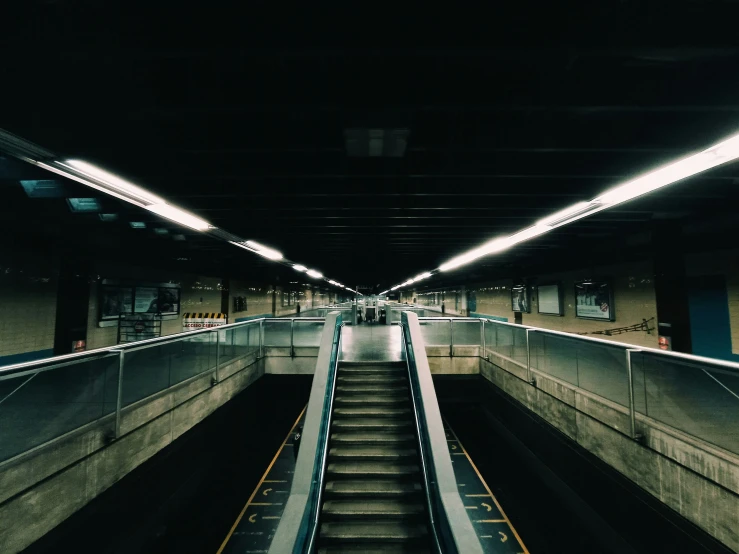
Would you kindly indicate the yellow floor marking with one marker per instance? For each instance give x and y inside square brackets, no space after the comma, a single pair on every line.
[266,503]
[495,500]
[274,481]
[262,480]
[485,495]
[471,507]
[271,517]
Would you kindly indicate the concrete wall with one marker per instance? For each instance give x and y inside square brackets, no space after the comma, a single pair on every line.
[258,299]
[28,289]
[41,488]
[697,480]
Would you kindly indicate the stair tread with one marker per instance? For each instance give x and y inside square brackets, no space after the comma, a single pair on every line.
[372,387]
[370,487]
[373,399]
[379,467]
[374,507]
[374,548]
[368,410]
[360,423]
[368,436]
[371,378]
[372,530]
[362,451]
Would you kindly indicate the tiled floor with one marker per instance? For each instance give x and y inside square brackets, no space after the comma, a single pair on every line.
[371,343]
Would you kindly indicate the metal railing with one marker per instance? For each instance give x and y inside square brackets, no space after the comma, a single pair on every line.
[298,527]
[451,527]
[44,399]
[695,395]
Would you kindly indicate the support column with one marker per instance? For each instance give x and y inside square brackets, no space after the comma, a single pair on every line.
[670,286]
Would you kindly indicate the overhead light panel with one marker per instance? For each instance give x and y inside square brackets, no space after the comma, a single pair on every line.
[161,231]
[108,217]
[82,205]
[298,267]
[179,216]
[45,188]
[315,274]
[137,225]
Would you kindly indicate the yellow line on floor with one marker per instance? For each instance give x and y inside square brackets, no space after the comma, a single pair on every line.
[485,495]
[262,480]
[497,504]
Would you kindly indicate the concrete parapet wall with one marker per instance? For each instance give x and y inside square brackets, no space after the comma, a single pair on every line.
[697,480]
[41,488]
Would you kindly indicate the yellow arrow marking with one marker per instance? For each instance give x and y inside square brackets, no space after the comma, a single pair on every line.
[487,506]
[503,536]
[454,446]
[265,491]
[253,518]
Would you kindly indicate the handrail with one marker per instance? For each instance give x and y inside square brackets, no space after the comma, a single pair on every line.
[451,526]
[65,359]
[571,336]
[298,526]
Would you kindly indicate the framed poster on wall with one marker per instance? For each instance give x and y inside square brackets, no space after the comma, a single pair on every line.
[594,300]
[550,299]
[127,299]
[520,298]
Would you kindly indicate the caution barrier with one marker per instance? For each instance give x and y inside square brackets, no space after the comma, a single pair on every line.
[203,320]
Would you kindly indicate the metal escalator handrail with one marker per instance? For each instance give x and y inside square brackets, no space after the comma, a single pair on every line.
[298,525]
[452,529]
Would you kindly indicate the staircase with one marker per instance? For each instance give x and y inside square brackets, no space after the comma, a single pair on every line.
[373,501]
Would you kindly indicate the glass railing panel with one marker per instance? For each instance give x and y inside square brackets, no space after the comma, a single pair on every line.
[555,355]
[518,350]
[196,355]
[467,332]
[307,333]
[702,401]
[491,330]
[277,332]
[436,333]
[39,407]
[602,370]
[147,370]
[503,341]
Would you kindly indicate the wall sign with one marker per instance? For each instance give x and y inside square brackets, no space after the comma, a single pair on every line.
[520,298]
[550,299]
[594,300]
[128,299]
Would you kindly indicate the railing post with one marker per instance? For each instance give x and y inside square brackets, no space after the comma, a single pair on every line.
[261,338]
[119,394]
[216,378]
[292,337]
[528,357]
[632,407]
[482,340]
[451,337]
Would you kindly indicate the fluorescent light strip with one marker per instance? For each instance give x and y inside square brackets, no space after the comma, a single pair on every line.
[718,154]
[298,267]
[265,251]
[179,216]
[112,181]
[315,274]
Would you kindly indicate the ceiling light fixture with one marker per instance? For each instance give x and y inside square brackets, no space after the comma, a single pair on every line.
[265,251]
[315,274]
[179,216]
[298,267]
[110,183]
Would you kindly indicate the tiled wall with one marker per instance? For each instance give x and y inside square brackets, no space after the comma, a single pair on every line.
[258,299]
[28,304]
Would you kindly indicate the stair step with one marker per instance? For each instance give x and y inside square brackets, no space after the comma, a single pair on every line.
[371,438]
[371,424]
[372,531]
[371,379]
[371,400]
[370,469]
[372,411]
[367,453]
[372,389]
[373,548]
[370,370]
[385,488]
[379,508]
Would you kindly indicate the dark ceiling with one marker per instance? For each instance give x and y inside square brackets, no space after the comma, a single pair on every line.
[463,126]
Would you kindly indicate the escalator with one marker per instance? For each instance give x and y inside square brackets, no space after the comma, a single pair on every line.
[373,496]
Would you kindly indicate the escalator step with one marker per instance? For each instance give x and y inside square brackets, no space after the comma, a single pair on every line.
[377,388]
[372,531]
[372,411]
[373,400]
[370,370]
[371,379]
[371,424]
[366,453]
[370,469]
[372,438]
[374,548]
[380,508]
[387,488]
